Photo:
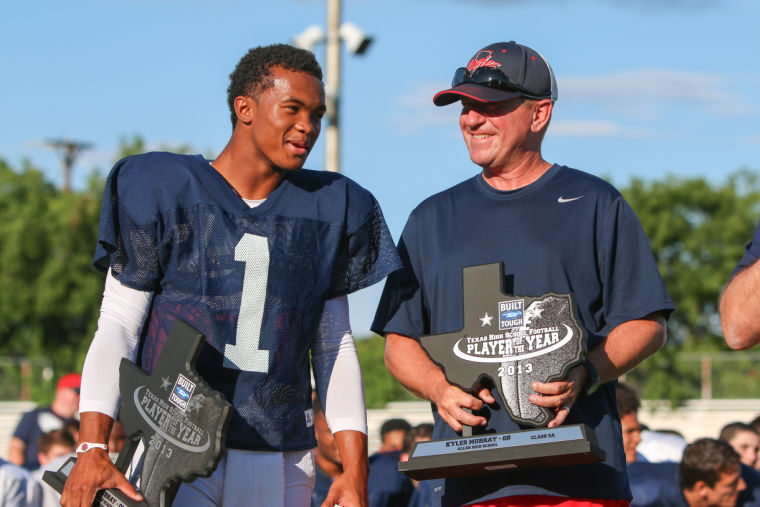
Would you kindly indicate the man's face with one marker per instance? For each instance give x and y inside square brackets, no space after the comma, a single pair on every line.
[55,451]
[67,399]
[726,489]
[394,440]
[746,444]
[494,132]
[631,435]
[286,119]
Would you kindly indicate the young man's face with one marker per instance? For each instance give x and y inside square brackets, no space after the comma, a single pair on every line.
[286,119]
[394,440]
[746,444]
[631,435]
[726,490]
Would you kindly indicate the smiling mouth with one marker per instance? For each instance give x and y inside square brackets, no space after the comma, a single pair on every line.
[300,147]
[480,136]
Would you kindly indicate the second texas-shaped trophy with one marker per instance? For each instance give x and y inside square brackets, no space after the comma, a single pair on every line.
[508,341]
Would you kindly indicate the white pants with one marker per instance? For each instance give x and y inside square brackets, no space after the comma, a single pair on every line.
[253,478]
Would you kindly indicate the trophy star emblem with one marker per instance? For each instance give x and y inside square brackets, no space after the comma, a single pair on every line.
[485,320]
[196,403]
[165,384]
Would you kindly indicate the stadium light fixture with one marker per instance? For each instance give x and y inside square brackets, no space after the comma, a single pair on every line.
[356,42]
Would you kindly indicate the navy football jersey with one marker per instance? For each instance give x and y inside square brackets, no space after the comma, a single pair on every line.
[252,280]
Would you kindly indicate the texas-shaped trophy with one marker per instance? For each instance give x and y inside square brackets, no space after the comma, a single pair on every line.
[509,342]
[180,420]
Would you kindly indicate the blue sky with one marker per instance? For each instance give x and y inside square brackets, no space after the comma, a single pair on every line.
[646,87]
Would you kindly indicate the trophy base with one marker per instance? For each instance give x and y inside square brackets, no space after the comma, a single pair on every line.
[103,498]
[495,452]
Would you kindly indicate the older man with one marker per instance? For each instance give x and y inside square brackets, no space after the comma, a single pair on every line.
[555,229]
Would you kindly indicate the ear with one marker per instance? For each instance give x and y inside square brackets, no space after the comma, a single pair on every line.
[542,113]
[701,490]
[245,109]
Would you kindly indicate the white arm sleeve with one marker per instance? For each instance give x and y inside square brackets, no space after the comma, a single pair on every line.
[337,373]
[122,314]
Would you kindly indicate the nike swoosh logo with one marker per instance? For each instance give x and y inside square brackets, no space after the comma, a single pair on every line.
[561,199]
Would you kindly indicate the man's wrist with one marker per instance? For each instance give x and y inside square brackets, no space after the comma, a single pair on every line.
[88,446]
[593,381]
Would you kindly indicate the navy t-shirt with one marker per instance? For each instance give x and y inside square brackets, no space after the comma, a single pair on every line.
[254,281]
[32,426]
[655,484]
[386,486]
[568,233]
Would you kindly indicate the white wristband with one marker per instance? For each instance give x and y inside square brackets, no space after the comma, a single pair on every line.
[86,446]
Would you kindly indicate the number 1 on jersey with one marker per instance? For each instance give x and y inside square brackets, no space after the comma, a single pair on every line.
[245,354]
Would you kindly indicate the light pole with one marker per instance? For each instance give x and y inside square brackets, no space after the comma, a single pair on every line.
[357,43]
[67,151]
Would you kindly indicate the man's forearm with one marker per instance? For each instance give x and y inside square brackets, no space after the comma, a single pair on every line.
[408,362]
[627,345]
[350,487]
[740,309]
[352,446]
[95,427]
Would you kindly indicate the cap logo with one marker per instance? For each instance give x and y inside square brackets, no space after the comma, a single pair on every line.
[482,59]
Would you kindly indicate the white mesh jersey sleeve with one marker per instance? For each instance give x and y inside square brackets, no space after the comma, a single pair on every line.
[337,373]
[122,314]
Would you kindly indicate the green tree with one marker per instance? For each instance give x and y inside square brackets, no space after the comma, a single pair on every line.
[379,386]
[697,231]
[48,292]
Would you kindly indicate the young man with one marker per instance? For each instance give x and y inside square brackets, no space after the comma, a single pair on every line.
[258,255]
[710,474]
[555,229]
[628,408]
[33,424]
[392,434]
[744,440]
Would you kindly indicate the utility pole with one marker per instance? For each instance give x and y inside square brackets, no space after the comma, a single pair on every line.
[67,151]
[332,88]
[356,42]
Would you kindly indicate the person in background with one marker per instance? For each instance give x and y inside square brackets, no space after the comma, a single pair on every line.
[710,474]
[628,407]
[423,432]
[392,433]
[23,447]
[54,444]
[423,493]
[17,487]
[387,486]
[744,439]
[55,447]
[72,426]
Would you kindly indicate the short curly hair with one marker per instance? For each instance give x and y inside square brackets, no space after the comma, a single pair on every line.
[705,460]
[253,73]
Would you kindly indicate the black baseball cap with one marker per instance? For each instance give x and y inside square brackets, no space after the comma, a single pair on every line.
[499,72]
